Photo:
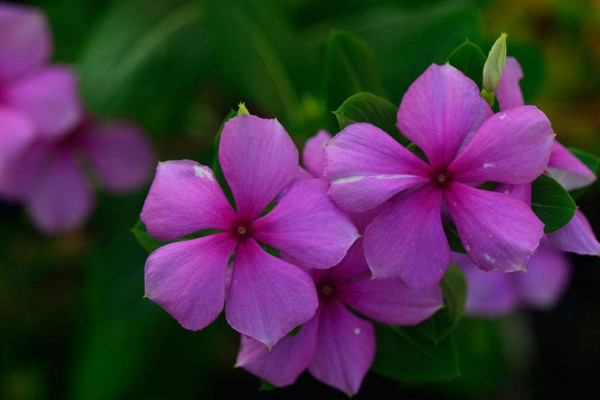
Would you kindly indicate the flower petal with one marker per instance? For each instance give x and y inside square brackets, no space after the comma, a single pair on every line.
[50,97]
[345,348]
[407,240]
[268,297]
[490,294]
[510,147]
[18,175]
[366,167]
[520,192]
[307,226]
[282,365]
[120,153]
[483,112]
[508,92]
[187,279]
[313,156]
[258,159]
[353,266]
[16,134]
[576,237]
[26,40]
[567,169]
[185,198]
[498,232]
[390,302]
[438,111]
[547,277]
[60,198]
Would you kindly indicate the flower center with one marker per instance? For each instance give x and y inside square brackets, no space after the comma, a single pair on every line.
[441,178]
[326,291]
[241,230]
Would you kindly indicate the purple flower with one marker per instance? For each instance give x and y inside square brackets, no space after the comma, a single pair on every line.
[577,236]
[336,346]
[33,95]
[267,297]
[49,177]
[443,114]
[547,277]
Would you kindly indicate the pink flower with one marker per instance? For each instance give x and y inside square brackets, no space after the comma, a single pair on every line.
[35,98]
[267,297]
[547,277]
[49,178]
[577,236]
[443,114]
[336,346]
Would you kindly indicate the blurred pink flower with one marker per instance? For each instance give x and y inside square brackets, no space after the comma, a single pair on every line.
[52,178]
[336,346]
[267,296]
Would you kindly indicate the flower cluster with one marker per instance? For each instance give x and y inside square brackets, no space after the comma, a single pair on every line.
[361,227]
[45,134]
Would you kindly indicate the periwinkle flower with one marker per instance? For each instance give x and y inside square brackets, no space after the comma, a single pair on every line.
[443,114]
[267,296]
[492,295]
[44,97]
[336,346]
[577,236]
[52,178]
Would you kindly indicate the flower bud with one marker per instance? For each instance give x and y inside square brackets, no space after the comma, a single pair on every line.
[492,70]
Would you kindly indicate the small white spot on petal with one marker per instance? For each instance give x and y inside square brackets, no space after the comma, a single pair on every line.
[506,192]
[467,248]
[349,179]
[489,164]
[357,331]
[503,116]
[203,172]
[489,258]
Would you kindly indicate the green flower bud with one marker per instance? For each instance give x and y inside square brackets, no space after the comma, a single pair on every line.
[492,70]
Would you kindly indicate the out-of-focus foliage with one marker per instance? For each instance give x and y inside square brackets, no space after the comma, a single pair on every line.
[73,321]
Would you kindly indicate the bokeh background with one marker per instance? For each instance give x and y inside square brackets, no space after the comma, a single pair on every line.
[73,323]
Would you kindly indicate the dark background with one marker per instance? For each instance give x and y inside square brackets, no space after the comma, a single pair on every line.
[73,323]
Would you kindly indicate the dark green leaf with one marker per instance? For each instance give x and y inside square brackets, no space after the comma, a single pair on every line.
[266,386]
[443,322]
[551,203]
[350,68]
[144,239]
[469,59]
[405,355]
[453,238]
[591,161]
[367,107]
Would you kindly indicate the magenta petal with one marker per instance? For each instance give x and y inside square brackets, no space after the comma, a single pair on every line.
[268,297]
[307,226]
[185,198]
[26,40]
[489,294]
[281,365]
[390,302]
[60,198]
[20,172]
[547,277]
[407,240]
[16,134]
[511,147]
[483,112]
[576,237]
[366,167]
[345,348]
[258,159]
[438,111]
[567,169]
[313,155]
[50,97]
[520,192]
[353,266]
[187,279]
[498,232]
[508,92]
[121,155]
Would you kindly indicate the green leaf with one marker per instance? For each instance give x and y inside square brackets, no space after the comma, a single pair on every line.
[144,239]
[367,107]
[148,67]
[404,354]
[443,322]
[591,161]
[266,386]
[469,59]
[350,68]
[453,238]
[551,203]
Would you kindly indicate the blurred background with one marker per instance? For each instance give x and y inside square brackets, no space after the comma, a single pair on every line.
[73,323]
